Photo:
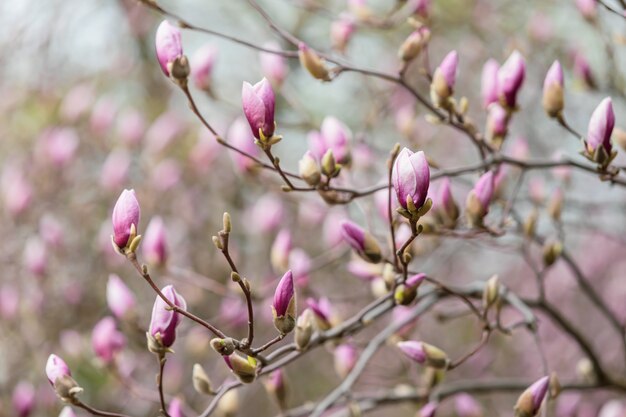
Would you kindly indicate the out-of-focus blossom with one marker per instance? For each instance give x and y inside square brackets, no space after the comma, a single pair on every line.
[120,298]
[202,64]
[67,412]
[529,402]
[345,357]
[267,214]
[322,309]
[164,320]
[154,243]
[258,105]
[311,61]
[333,135]
[9,302]
[234,311]
[279,254]
[519,149]
[411,178]
[588,8]
[364,270]
[553,98]
[58,145]
[126,215]
[420,7]
[444,78]
[35,256]
[24,399]
[444,206]
[424,353]
[240,137]
[169,46]
[77,102]
[244,369]
[341,31]
[175,409]
[163,131]
[582,70]
[204,153]
[540,28]
[332,228]
[17,191]
[300,264]
[429,409]
[166,174]
[489,82]
[103,115]
[51,230]
[131,127]
[309,169]
[273,66]
[106,340]
[482,192]
[510,79]
[467,406]
[613,408]
[114,172]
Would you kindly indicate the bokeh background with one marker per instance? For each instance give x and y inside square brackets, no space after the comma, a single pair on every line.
[85,112]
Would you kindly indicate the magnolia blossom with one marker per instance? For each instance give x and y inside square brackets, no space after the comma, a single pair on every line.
[411,178]
[24,399]
[154,243]
[258,105]
[164,320]
[510,78]
[553,100]
[601,127]
[361,241]
[120,298]
[126,214]
[56,368]
[169,45]
[106,340]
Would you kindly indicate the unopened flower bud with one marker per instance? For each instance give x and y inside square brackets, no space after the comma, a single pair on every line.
[304,329]
[284,305]
[479,199]
[510,79]
[444,78]
[244,369]
[258,105]
[497,124]
[164,320]
[226,223]
[445,208]
[551,252]
[309,169]
[60,377]
[530,224]
[311,61]
[406,293]
[155,242]
[489,83]
[224,346]
[555,205]
[120,298]
[169,46]
[424,353]
[529,402]
[491,293]
[588,8]
[553,100]
[341,31]
[361,241]
[175,409]
[329,164]
[601,124]
[275,385]
[413,44]
[125,218]
[279,253]
[106,340]
[23,399]
[411,178]
[201,381]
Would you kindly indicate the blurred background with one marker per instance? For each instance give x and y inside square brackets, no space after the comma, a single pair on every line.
[86,112]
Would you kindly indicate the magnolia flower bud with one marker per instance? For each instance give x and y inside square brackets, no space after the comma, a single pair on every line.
[279,254]
[345,357]
[411,178]
[120,298]
[555,205]
[491,293]
[530,224]
[510,79]
[529,402]
[442,86]
[201,381]
[169,46]
[155,242]
[478,200]
[489,82]
[582,71]
[601,126]
[202,64]
[304,329]
[275,385]
[309,169]
[311,61]
[106,340]
[244,369]
[284,305]
[56,368]
[258,106]
[175,409]
[588,8]
[341,31]
[467,406]
[329,165]
[333,135]
[224,347]
[497,124]
[361,241]
[551,252]
[162,331]
[553,100]
[424,353]
[446,210]
[413,44]
[125,218]
[60,378]
[406,293]
[23,399]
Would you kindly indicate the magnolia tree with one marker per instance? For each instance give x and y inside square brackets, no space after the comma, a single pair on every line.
[436,244]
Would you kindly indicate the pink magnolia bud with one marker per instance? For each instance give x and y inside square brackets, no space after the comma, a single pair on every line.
[175,409]
[273,66]
[333,135]
[169,45]
[497,124]
[429,409]
[258,106]
[421,7]
[35,256]
[279,254]
[553,100]
[202,63]
[467,406]
[601,127]
[510,78]
[345,357]
[126,214]
[56,368]
[411,178]
[120,298]
[322,309]
[239,136]
[489,82]
[484,190]
[103,115]
[24,399]
[131,127]
[588,8]
[529,402]
[582,70]
[413,350]
[51,230]
[364,270]
[312,62]
[67,412]
[445,208]
[444,77]
[106,340]
[164,320]
[361,241]
[17,191]
[284,304]
[154,242]
[114,172]
[76,102]
[58,145]
[300,264]
[424,353]
[341,31]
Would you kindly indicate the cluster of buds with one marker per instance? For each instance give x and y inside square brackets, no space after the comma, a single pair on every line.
[169,50]
[331,147]
[407,292]
[284,305]
[598,146]
[259,102]
[60,377]
[444,78]
[479,199]
[425,354]
[125,219]
[161,334]
[414,44]
[361,241]
[410,179]
[311,61]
